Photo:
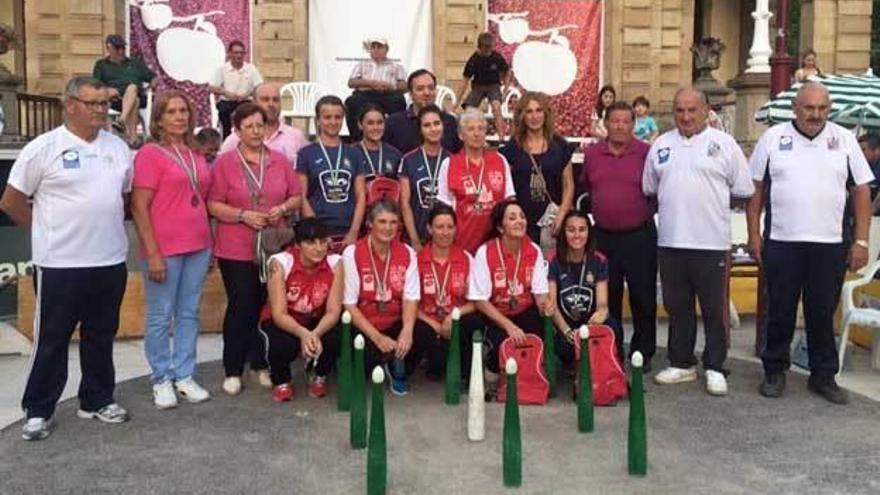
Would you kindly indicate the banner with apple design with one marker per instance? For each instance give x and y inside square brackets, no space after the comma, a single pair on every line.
[184,42]
[555,48]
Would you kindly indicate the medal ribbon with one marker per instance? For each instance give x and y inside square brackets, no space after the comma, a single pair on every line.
[480,178]
[432,173]
[381,284]
[369,160]
[334,169]
[441,287]
[255,183]
[511,283]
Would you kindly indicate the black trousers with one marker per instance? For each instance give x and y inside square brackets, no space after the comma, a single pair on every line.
[530,321]
[224,114]
[245,296]
[374,357]
[685,273]
[816,271]
[389,101]
[436,348]
[90,297]
[632,257]
[282,348]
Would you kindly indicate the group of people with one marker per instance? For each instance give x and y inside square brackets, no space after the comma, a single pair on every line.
[418,218]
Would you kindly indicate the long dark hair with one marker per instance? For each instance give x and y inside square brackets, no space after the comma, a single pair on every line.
[563,250]
[600,107]
[425,110]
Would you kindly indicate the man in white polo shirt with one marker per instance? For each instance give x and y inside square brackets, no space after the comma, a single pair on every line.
[695,171]
[803,171]
[233,84]
[77,175]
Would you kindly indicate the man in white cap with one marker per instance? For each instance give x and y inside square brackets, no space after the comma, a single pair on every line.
[377,80]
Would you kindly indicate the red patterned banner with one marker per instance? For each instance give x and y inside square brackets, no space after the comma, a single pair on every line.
[553,47]
[184,41]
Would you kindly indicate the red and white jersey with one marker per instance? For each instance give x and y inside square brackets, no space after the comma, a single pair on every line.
[363,280]
[473,191]
[453,276]
[494,281]
[307,291]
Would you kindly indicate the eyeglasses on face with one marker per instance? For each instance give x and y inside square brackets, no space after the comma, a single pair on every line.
[94,104]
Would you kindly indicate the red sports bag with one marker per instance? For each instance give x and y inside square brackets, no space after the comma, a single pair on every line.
[609,379]
[532,386]
[382,188]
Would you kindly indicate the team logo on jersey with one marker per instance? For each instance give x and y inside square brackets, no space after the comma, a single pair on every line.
[346,162]
[663,155]
[786,143]
[426,192]
[335,186]
[833,143]
[576,301]
[70,159]
[714,149]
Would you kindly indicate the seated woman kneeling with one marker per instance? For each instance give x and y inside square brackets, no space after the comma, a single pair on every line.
[382,293]
[302,315]
[509,282]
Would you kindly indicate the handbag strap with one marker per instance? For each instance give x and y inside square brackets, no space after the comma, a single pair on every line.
[537,169]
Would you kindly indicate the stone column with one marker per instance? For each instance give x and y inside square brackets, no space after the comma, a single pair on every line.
[759,53]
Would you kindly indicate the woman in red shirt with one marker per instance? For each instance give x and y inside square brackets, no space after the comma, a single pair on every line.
[509,281]
[253,187]
[444,271]
[473,181]
[382,293]
[305,299]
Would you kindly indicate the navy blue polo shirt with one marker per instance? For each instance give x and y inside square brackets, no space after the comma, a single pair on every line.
[576,287]
[422,189]
[386,167]
[402,131]
[551,162]
[330,194]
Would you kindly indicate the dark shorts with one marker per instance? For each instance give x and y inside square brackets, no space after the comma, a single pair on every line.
[116,103]
[492,92]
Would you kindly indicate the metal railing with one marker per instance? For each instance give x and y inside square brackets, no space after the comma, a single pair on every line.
[37,114]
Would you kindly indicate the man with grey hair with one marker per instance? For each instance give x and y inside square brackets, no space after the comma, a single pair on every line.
[77,176]
[803,170]
[694,171]
[277,135]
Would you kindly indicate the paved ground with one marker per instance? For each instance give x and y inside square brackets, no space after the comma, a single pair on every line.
[698,444]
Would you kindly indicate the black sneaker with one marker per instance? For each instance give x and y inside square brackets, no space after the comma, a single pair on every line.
[773,385]
[829,390]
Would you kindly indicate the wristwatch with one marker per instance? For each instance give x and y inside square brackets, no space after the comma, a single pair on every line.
[863,243]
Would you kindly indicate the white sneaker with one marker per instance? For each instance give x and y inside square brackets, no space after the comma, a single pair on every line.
[232,385]
[36,429]
[716,384]
[264,379]
[676,375]
[192,391]
[164,396]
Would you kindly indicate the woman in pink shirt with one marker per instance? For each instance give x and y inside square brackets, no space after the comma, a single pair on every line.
[253,188]
[171,181]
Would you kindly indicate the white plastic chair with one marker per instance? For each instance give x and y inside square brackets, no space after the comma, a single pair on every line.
[444,93]
[303,96]
[865,317]
[506,112]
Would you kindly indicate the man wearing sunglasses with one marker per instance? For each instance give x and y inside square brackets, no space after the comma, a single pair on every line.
[76,177]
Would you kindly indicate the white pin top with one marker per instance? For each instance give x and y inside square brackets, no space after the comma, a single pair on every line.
[378,375]
[346,317]
[359,342]
[637,359]
[510,366]
[456,314]
[584,332]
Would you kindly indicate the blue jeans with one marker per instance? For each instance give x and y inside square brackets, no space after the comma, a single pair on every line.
[175,300]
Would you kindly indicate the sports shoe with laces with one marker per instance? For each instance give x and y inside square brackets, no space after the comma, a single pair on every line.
[317,386]
[111,413]
[676,375]
[397,377]
[192,391]
[716,383]
[164,396]
[36,429]
[282,393]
